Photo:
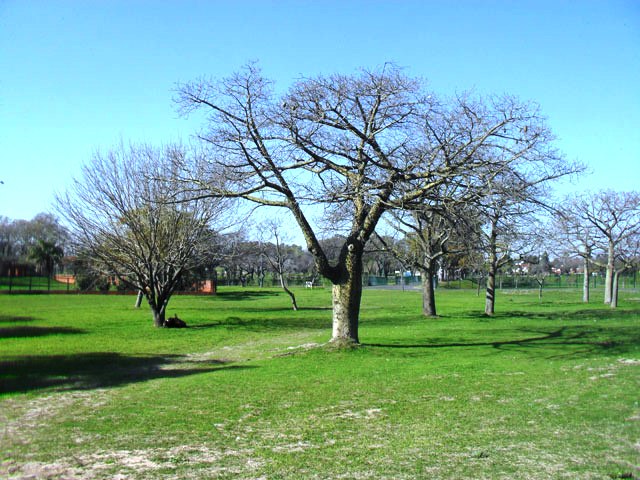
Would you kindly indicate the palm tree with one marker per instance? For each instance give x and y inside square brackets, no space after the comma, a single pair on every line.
[47,255]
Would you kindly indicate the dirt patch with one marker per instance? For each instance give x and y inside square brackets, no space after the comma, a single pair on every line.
[20,418]
[197,461]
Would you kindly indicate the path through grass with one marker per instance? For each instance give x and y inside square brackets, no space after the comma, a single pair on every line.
[545,390]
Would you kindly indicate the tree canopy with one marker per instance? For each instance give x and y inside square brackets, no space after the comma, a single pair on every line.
[358,146]
[131,222]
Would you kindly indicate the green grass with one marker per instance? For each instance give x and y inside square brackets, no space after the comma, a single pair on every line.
[547,389]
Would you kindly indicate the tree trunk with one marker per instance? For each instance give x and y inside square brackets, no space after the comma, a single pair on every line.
[214,281]
[158,316]
[490,298]
[608,282]
[614,289]
[158,306]
[139,298]
[428,294]
[346,302]
[283,284]
[585,281]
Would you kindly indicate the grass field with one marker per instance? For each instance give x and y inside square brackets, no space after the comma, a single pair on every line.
[548,389]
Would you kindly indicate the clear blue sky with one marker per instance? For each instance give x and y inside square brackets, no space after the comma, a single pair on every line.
[78,76]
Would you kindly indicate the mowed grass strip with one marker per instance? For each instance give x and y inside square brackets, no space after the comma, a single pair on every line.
[546,389]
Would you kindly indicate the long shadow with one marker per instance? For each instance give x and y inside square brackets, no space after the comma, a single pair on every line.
[592,313]
[571,341]
[27,332]
[603,314]
[245,294]
[496,344]
[268,324]
[16,319]
[97,370]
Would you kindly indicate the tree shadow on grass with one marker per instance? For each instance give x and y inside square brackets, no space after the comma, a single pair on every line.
[16,319]
[496,344]
[293,321]
[28,332]
[566,341]
[97,370]
[245,294]
[586,314]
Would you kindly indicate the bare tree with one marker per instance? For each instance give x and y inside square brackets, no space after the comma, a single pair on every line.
[540,269]
[505,216]
[356,145]
[606,220]
[126,216]
[627,256]
[511,208]
[575,237]
[427,228]
[278,258]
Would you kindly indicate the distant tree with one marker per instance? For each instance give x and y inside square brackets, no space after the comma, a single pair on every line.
[510,210]
[278,257]
[18,238]
[47,255]
[378,259]
[540,269]
[426,228]
[130,222]
[604,220]
[574,236]
[358,145]
[627,257]
[504,216]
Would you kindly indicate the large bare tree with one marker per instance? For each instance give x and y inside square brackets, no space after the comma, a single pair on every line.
[126,216]
[356,146]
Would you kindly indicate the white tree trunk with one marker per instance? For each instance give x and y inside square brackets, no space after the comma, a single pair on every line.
[585,281]
[608,282]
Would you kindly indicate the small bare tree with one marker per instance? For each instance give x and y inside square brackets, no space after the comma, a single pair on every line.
[125,214]
[276,255]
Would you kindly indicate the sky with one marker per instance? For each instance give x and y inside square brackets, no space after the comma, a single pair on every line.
[78,77]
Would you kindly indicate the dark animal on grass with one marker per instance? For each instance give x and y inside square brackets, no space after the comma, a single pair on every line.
[174,322]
